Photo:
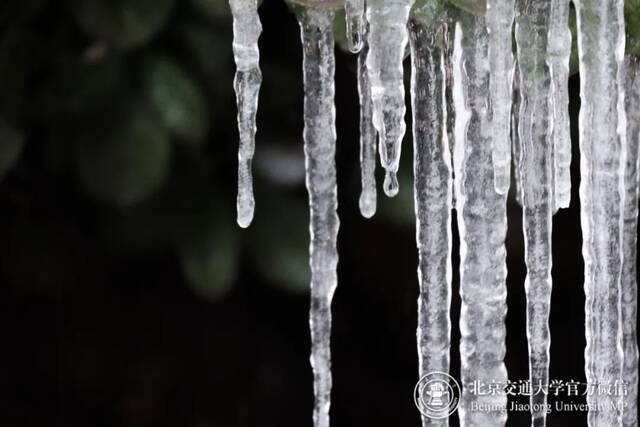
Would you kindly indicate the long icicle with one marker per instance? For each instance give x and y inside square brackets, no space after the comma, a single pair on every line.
[601,39]
[537,192]
[387,42]
[432,193]
[499,17]
[558,54]
[629,284]
[319,146]
[482,223]
[246,31]
[356,24]
[368,138]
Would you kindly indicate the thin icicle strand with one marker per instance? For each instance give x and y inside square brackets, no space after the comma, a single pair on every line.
[558,54]
[515,139]
[536,176]
[387,42]
[499,18]
[319,147]
[368,138]
[629,285]
[601,38]
[356,24]
[482,223]
[432,192]
[246,32]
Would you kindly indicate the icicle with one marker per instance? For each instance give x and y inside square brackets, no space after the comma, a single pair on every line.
[432,192]
[368,138]
[601,38]
[356,24]
[499,18]
[449,104]
[319,146]
[558,60]
[515,139]
[387,42]
[482,223]
[246,31]
[629,285]
[537,191]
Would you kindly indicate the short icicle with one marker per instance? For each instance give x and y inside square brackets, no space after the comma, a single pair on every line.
[319,146]
[432,193]
[387,42]
[356,24]
[629,284]
[558,54]
[482,224]
[602,124]
[537,191]
[368,138]
[499,17]
[246,31]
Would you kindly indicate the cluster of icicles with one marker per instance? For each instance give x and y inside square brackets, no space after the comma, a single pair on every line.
[477,108]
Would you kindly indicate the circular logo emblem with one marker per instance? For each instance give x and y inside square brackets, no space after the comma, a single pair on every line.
[437,395]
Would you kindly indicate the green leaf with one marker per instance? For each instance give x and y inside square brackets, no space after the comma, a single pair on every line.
[475,7]
[177,99]
[124,23]
[632,18]
[11,143]
[428,10]
[125,163]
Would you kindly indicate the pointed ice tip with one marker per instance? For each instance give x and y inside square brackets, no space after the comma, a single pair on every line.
[391,186]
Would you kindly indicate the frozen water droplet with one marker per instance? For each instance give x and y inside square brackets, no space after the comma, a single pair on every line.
[391,186]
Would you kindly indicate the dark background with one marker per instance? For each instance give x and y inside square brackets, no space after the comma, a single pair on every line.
[128,295]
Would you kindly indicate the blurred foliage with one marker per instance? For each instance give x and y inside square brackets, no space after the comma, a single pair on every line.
[177,99]
[126,162]
[123,23]
[131,102]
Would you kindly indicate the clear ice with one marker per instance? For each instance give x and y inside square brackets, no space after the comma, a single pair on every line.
[246,32]
[536,168]
[356,24]
[368,138]
[601,39]
[482,224]
[499,19]
[558,54]
[316,27]
[628,282]
[387,42]
[432,193]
